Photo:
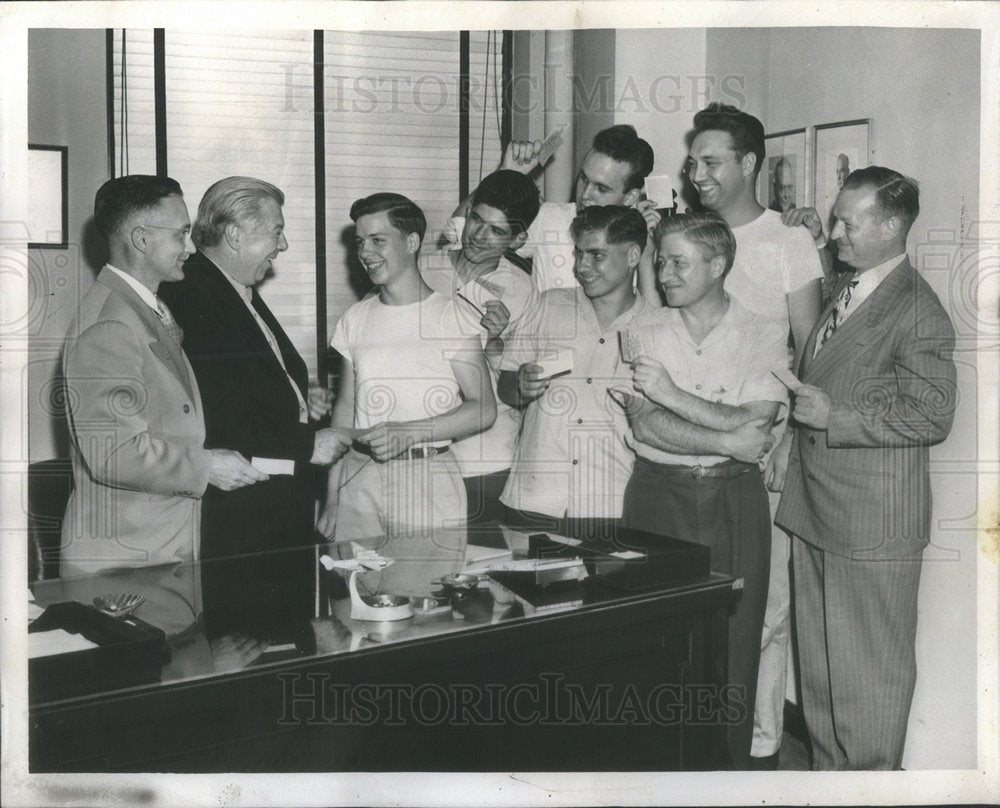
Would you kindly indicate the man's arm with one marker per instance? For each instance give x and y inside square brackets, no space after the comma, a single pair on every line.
[476,412]
[747,441]
[804,306]
[109,401]
[652,379]
[343,416]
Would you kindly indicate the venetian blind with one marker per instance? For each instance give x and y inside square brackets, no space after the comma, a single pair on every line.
[242,103]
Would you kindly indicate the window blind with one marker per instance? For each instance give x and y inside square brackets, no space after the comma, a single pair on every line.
[242,102]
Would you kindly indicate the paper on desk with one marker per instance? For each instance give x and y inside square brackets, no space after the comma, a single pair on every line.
[273,465]
[57,641]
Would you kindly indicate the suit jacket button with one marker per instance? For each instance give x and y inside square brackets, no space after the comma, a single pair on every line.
[812,439]
[187,408]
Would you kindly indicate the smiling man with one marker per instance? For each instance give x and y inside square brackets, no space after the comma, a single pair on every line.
[879,389]
[489,295]
[253,382]
[410,381]
[572,459]
[134,409]
[612,173]
[701,428]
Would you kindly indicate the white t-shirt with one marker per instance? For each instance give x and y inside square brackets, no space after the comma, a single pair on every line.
[772,260]
[550,246]
[402,359]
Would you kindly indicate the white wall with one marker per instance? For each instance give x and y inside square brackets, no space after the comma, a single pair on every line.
[66,107]
[921,90]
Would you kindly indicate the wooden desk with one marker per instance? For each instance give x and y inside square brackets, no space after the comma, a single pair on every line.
[628,681]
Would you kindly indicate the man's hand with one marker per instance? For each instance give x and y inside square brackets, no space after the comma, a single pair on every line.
[649,212]
[812,407]
[328,517]
[233,652]
[521,155]
[808,218]
[749,442]
[496,318]
[530,385]
[651,379]
[230,470]
[329,446]
[320,401]
[777,464]
[391,438]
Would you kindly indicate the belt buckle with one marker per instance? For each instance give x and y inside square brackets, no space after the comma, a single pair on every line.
[430,451]
[698,472]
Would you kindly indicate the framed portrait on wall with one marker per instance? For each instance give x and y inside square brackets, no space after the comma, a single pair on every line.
[48,204]
[840,148]
[781,183]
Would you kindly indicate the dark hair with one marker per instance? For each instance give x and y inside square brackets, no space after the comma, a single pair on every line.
[707,231]
[230,201]
[404,214]
[620,224]
[895,195]
[122,197]
[623,145]
[513,194]
[746,131]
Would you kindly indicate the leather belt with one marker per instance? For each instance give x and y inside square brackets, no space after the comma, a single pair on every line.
[726,470]
[413,453]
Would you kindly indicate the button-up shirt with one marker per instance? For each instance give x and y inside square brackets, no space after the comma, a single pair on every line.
[573,456]
[731,365]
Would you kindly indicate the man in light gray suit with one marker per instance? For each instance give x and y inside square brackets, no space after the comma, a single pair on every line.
[135,414]
[878,390]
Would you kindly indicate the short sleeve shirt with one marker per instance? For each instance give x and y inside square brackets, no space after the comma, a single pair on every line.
[401,357]
[772,260]
[573,456]
[731,365]
[550,246]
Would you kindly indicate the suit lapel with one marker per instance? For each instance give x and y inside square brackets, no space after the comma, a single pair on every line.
[253,337]
[293,362]
[865,324]
[161,343]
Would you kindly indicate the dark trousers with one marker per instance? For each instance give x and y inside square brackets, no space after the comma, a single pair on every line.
[731,516]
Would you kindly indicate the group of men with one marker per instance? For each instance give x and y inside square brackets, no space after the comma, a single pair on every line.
[471,391]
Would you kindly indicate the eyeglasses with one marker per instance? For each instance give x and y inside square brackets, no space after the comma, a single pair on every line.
[186,230]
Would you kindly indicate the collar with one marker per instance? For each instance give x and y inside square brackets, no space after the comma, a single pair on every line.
[147,296]
[245,292]
[869,280]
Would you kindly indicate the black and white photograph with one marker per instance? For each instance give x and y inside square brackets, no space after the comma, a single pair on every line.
[840,149]
[373,435]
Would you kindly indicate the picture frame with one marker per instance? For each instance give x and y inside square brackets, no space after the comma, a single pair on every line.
[48,199]
[785,154]
[839,149]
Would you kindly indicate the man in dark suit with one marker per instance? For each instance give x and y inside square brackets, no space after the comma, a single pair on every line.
[879,389]
[254,386]
[135,414]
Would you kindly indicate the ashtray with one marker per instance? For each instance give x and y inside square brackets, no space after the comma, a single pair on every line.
[377,607]
[458,580]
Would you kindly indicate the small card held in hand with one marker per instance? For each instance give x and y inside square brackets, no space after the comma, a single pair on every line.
[556,364]
[273,465]
[630,345]
[787,378]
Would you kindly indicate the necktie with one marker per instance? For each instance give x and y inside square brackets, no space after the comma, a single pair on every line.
[837,315]
[175,331]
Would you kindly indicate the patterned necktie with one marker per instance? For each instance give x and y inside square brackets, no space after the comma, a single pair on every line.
[169,323]
[837,315]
